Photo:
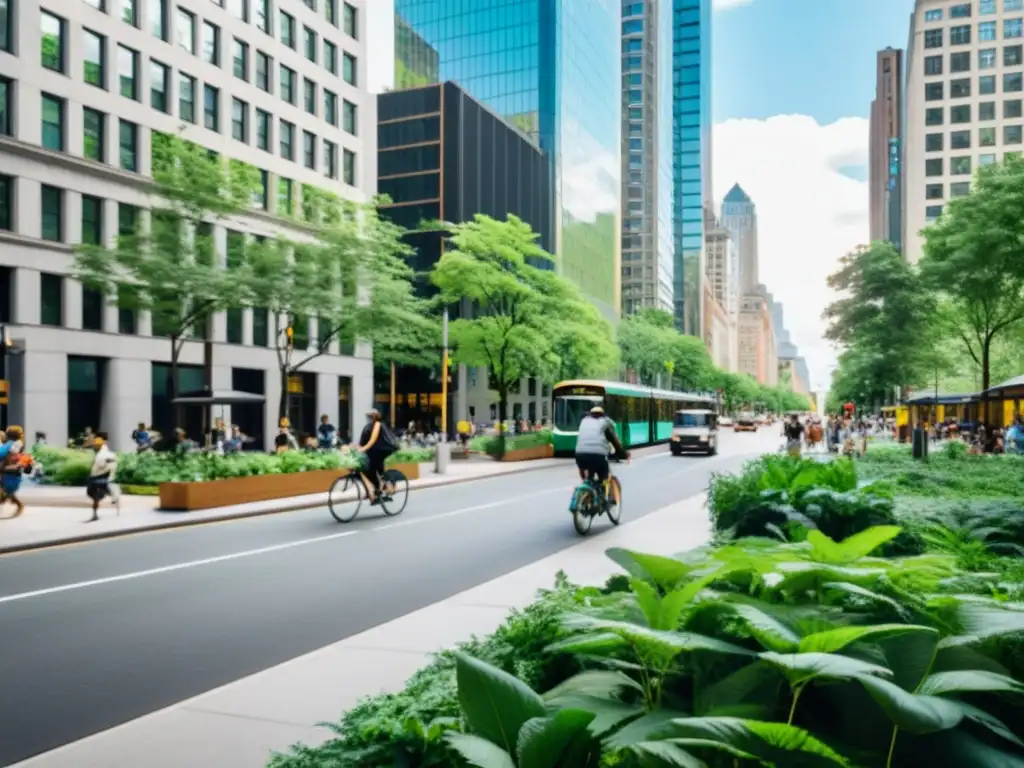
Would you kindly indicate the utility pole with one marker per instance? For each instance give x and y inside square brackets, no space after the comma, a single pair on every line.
[444,376]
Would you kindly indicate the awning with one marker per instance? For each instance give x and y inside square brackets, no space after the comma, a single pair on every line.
[1012,388]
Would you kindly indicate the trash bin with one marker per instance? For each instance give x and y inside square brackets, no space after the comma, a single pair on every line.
[920,444]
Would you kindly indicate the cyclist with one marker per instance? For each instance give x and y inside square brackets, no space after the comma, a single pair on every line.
[377,442]
[596,441]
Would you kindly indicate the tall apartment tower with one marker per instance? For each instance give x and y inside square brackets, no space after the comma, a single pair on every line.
[647,243]
[87,90]
[885,150]
[964,102]
[739,216]
[691,156]
[553,69]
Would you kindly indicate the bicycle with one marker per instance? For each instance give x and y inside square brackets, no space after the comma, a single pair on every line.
[394,486]
[588,502]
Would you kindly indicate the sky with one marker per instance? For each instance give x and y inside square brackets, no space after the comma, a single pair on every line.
[792,85]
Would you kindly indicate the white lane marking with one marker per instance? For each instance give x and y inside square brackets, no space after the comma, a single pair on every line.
[169,568]
[457,512]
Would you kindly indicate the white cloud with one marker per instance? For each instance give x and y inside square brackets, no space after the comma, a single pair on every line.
[809,213]
[724,5]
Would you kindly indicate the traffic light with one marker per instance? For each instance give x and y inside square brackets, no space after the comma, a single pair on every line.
[289,333]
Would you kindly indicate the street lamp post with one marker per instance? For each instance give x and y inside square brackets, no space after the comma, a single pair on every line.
[444,376]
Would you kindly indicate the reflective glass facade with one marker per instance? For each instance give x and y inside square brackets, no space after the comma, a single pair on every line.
[647,242]
[691,161]
[552,69]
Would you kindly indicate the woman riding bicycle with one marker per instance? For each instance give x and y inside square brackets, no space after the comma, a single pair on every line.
[596,440]
[377,442]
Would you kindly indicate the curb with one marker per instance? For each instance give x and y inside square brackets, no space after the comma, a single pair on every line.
[163,526]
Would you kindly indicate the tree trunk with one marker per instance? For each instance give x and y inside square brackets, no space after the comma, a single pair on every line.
[502,414]
[282,406]
[176,410]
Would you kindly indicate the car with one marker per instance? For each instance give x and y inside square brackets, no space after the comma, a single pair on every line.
[694,430]
[725,421]
[745,422]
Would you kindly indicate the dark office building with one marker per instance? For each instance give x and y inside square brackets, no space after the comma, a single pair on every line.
[444,156]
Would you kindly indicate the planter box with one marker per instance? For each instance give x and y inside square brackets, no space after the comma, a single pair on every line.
[529,454]
[183,497]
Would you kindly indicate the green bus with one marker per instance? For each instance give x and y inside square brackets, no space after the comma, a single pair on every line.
[642,415]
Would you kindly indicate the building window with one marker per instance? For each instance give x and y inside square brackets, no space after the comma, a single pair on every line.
[287,131]
[6,105]
[263,16]
[1012,55]
[261,195]
[960,89]
[263,67]
[263,129]
[52,200]
[53,122]
[961,11]
[348,67]
[1012,108]
[92,309]
[51,299]
[241,60]
[287,84]
[349,117]
[960,166]
[350,21]
[309,43]
[52,40]
[1012,82]
[933,15]
[933,142]
[6,26]
[331,11]
[960,140]
[94,57]
[287,30]
[159,85]
[309,95]
[6,203]
[1013,5]
[330,159]
[987,85]
[125,314]
[285,198]
[960,114]
[330,57]
[933,167]
[989,159]
[959,189]
[934,192]
[239,9]
[933,91]
[128,14]
[348,167]
[93,134]
[235,317]
[128,72]
[960,62]
[260,327]
[127,219]
[1012,134]
[986,31]
[211,43]
[1012,28]
[960,35]
[309,150]
[987,58]
[986,137]
[186,97]
[92,220]
[240,120]
[211,108]
[932,212]
[987,110]
[933,116]
[128,141]
[186,31]
[158,19]
[986,7]
[933,38]
[330,107]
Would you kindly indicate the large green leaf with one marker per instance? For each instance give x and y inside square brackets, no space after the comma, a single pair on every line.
[774,743]
[796,576]
[859,591]
[961,748]
[495,703]
[736,688]
[802,667]
[912,712]
[561,739]
[479,752]
[969,681]
[993,723]
[769,631]
[608,713]
[665,754]
[660,612]
[981,622]
[834,640]
[825,550]
[666,572]
[595,682]
[653,725]
[589,642]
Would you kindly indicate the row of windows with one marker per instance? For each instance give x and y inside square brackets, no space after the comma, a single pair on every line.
[938,191]
[1013,82]
[935,142]
[962,112]
[1013,55]
[961,165]
[961,34]
[963,10]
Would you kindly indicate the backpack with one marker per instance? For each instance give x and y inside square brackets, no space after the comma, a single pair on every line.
[387,439]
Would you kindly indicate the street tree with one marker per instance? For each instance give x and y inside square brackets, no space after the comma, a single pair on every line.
[648,345]
[170,267]
[974,256]
[738,390]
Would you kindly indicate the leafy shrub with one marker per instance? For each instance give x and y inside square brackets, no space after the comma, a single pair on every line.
[954,450]
[491,444]
[897,473]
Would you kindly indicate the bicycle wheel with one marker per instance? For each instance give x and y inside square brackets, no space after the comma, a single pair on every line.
[394,492]
[614,500]
[340,501]
[583,511]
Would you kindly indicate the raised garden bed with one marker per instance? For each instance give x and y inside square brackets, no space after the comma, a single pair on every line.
[186,497]
[530,454]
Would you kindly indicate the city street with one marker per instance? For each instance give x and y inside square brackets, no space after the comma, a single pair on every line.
[97,634]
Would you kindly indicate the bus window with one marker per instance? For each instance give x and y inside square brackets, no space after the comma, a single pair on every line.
[569,411]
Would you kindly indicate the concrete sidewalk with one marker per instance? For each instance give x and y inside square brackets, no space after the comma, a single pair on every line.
[239,725]
[53,514]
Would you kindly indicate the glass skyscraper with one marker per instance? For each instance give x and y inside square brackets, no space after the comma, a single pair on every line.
[552,68]
[691,156]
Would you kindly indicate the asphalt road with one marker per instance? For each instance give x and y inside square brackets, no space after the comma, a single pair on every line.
[93,635]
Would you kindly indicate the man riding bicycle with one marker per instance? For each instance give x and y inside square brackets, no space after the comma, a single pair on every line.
[596,440]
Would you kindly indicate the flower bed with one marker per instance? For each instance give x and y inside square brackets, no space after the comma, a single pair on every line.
[751,651]
[527,446]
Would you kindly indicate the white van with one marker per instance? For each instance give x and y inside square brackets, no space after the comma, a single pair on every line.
[695,430]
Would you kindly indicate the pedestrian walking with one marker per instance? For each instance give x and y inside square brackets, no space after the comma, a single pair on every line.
[12,466]
[101,475]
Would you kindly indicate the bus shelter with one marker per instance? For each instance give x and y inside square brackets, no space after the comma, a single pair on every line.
[938,408]
[1011,396]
